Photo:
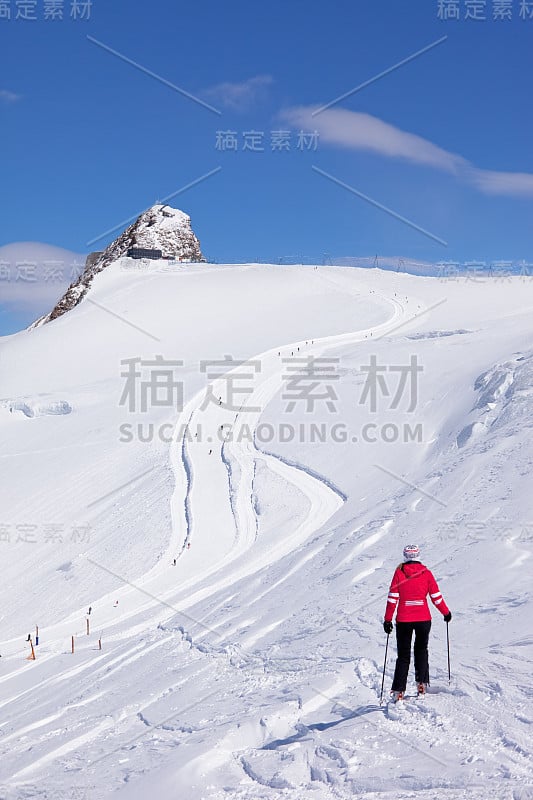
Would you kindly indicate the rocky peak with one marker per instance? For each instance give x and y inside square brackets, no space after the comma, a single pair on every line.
[159,228]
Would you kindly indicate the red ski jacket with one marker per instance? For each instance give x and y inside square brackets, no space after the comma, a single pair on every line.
[411,584]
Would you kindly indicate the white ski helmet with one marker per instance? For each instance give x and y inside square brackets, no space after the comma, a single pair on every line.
[411,552]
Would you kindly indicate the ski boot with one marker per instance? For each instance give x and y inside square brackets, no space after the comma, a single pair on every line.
[397,697]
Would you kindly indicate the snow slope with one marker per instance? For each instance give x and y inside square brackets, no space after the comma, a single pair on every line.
[252,667]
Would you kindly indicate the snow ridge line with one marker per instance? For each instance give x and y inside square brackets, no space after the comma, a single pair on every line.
[253,499]
[302,468]
[231,486]
[187,467]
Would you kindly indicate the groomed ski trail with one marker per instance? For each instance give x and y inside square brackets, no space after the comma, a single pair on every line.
[220,473]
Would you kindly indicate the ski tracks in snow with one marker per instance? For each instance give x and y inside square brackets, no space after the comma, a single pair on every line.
[214,470]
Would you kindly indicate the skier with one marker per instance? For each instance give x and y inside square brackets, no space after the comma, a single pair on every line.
[410,586]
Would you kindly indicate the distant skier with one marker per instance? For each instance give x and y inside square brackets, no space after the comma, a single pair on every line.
[410,586]
[174,563]
[89,611]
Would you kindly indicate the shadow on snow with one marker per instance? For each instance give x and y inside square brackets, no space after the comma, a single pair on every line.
[303,730]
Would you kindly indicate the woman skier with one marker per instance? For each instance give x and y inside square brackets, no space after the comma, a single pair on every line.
[411,584]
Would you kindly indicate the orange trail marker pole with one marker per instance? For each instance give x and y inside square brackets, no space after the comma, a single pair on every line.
[87,626]
[72,642]
[100,644]
[31,657]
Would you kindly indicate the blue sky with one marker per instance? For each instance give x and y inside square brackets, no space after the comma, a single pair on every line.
[443,141]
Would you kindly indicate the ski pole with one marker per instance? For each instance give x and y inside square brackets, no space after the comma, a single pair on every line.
[448,643]
[384,665]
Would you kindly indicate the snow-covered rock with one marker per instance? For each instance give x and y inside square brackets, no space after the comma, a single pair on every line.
[33,407]
[160,228]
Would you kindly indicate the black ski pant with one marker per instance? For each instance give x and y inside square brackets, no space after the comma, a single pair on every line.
[404,634]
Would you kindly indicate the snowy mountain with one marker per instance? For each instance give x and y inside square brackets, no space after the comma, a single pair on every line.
[160,227]
[281,433]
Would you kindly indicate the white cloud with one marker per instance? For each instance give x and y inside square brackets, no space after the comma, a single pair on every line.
[513,184]
[239,96]
[8,97]
[358,131]
[33,275]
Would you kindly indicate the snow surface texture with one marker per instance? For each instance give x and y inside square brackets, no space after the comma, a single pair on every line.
[252,668]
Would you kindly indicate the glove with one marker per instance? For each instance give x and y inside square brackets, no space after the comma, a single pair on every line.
[387,627]
[448,616]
